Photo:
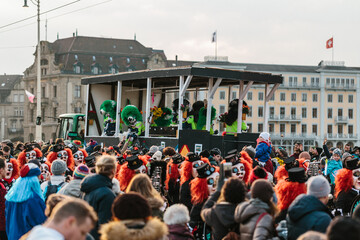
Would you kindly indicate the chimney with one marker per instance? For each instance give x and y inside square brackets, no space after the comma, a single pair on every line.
[176,60]
[73,34]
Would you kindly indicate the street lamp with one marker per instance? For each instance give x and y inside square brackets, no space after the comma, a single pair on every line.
[38,132]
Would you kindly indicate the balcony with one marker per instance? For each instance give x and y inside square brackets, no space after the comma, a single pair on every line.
[15,130]
[292,136]
[341,120]
[283,118]
[300,86]
[340,87]
[341,136]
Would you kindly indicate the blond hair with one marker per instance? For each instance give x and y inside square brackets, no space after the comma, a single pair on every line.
[105,165]
[141,183]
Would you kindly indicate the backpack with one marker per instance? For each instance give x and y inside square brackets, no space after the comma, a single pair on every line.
[51,189]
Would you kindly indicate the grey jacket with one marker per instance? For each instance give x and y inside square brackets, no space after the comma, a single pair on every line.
[72,188]
[247,214]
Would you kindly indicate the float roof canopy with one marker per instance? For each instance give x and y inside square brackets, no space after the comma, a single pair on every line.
[169,77]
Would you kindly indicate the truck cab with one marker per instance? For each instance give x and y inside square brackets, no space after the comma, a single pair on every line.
[71,126]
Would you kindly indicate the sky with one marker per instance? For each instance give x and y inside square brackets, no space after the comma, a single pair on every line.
[251,31]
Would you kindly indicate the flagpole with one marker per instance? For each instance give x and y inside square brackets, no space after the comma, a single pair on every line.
[215,45]
[332,48]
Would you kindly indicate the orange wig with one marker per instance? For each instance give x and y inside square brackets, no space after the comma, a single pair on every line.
[246,157]
[173,174]
[16,169]
[199,190]
[343,181]
[22,156]
[126,174]
[186,169]
[286,192]
[52,156]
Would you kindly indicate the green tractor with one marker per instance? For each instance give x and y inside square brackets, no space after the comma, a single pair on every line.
[71,126]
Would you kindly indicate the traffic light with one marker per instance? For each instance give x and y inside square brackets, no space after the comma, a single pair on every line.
[38,120]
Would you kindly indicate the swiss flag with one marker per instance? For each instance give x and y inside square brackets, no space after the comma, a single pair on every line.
[329,43]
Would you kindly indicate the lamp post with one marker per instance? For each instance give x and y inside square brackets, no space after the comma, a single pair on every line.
[38,129]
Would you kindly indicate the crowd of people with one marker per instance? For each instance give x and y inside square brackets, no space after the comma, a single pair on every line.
[67,190]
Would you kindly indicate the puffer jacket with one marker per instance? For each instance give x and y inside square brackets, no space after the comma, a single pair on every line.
[248,213]
[332,167]
[72,189]
[154,229]
[307,213]
[263,151]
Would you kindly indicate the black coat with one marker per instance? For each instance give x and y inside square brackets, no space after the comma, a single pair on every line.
[98,194]
[307,213]
[174,191]
[345,200]
[185,195]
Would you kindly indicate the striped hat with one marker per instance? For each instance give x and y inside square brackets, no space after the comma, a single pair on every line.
[81,171]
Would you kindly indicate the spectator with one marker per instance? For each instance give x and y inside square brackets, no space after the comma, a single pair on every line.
[19,147]
[132,220]
[70,219]
[176,218]
[297,150]
[2,199]
[312,235]
[52,201]
[256,217]
[263,150]
[309,211]
[24,203]
[215,157]
[141,184]
[305,155]
[218,211]
[347,148]
[98,190]
[343,228]
[73,188]
[346,156]
[333,165]
[57,179]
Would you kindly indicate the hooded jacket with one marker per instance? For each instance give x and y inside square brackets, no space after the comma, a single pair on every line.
[263,151]
[179,232]
[220,217]
[154,229]
[247,214]
[98,194]
[156,205]
[332,167]
[72,189]
[307,213]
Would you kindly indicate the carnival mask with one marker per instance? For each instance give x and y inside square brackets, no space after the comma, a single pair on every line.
[238,170]
[31,155]
[195,165]
[44,170]
[78,157]
[212,181]
[141,169]
[356,178]
[9,170]
[62,155]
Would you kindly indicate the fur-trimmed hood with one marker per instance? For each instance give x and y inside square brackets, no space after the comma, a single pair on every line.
[155,202]
[154,229]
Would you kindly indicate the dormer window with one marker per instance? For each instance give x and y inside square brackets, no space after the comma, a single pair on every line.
[96,69]
[113,68]
[78,67]
[44,62]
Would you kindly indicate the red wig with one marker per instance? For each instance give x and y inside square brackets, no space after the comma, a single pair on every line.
[343,181]
[52,156]
[246,157]
[84,152]
[126,174]
[22,157]
[16,169]
[173,174]
[281,173]
[199,190]
[286,192]
[186,169]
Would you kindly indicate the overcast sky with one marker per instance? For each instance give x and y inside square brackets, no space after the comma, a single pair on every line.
[253,31]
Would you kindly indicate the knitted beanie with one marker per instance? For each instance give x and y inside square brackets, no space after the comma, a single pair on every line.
[58,167]
[81,171]
[130,206]
[318,186]
[262,189]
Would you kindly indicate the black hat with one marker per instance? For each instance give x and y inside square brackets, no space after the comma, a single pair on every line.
[352,164]
[134,162]
[355,148]
[296,174]
[57,148]
[205,153]
[205,170]
[215,151]
[192,157]
[74,149]
[177,158]
[28,147]
[121,160]
[135,151]
[90,161]
[289,160]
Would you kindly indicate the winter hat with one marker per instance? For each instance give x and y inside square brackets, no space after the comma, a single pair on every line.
[345,155]
[305,155]
[318,186]
[130,206]
[251,151]
[176,214]
[157,156]
[153,149]
[265,136]
[93,143]
[81,171]
[262,189]
[58,167]
[30,170]
[258,173]
[205,153]
[337,151]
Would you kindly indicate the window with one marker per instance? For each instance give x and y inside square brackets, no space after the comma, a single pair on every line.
[351,98]
[292,81]
[16,111]
[222,95]
[330,97]
[314,129]
[250,111]
[304,97]
[271,112]
[249,95]
[43,115]
[327,81]
[340,129]
[55,91]
[282,112]
[31,115]
[329,129]
[351,113]
[21,111]
[272,97]
[282,97]
[260,127]
[315,97]
[350,129]
[44,62]
[304,112]
[293,97]
[352,82]
[314,113]
[340,98]
[250,127]
[77,91]
[329,112]
[333,82]
[261,96]
[43,92]
[347,83]
[13,124]
[315,82]
[304,81]
[293,113]
[282,128]
[260,112]
[54,112]
[21,97]
[77,109]
[16,98]
[303,128]
[271,128]
[233,95]
[337,82]
[43,71]
[221,109]
[77,69]
[293,128]
[95,70]
[340,112]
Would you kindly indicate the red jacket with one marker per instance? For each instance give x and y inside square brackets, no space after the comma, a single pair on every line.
[2,207]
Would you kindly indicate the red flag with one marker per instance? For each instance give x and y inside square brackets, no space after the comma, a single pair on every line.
[30,96]
[329,43]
